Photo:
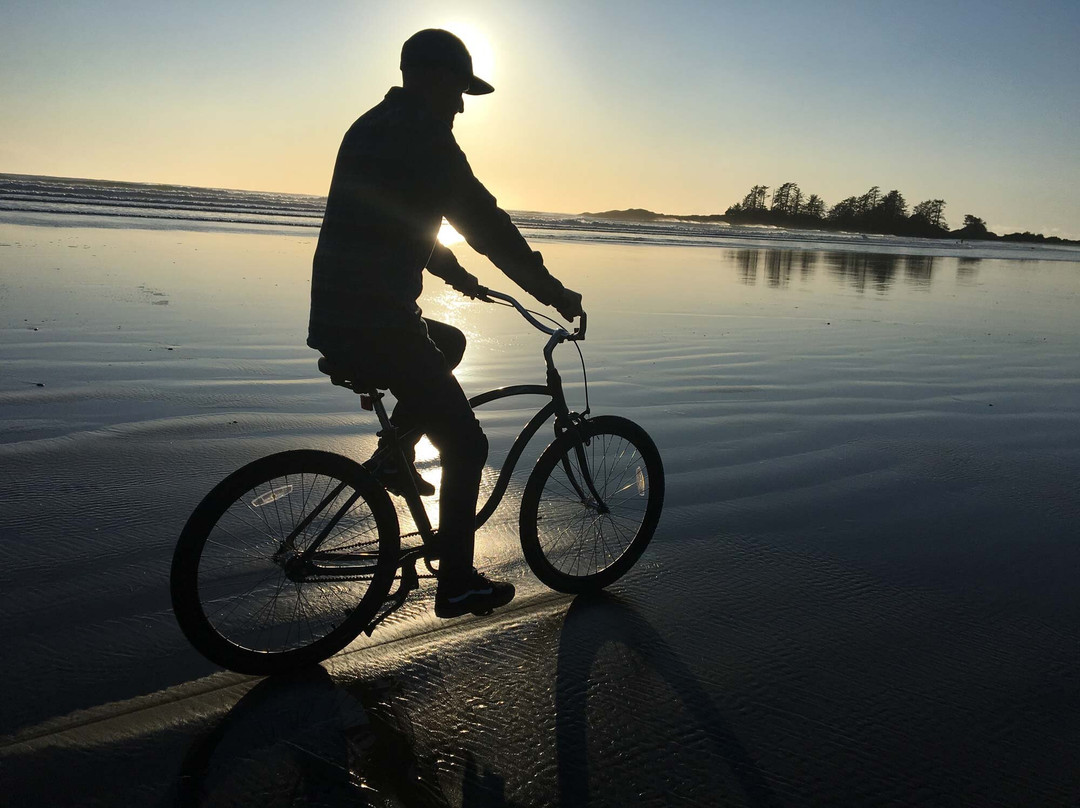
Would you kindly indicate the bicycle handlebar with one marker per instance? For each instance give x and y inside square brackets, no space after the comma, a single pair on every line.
[578,333]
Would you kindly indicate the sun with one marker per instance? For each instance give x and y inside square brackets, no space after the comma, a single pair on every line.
[448,236]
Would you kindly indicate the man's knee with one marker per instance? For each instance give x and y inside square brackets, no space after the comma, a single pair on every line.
[449,340]
[460,441]
[475,447]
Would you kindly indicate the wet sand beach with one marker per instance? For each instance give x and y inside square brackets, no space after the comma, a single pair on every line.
[862,590]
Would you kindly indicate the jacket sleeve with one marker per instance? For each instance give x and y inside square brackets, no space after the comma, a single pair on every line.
[474,213]
[444,264]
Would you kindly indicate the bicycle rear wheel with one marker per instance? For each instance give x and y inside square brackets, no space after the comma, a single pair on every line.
[572,542]
[243,591]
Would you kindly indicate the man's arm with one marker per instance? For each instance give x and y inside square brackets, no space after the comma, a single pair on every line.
[474,213]
[444,264]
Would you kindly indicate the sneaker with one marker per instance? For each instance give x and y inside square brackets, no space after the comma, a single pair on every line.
[390,475]
[474,594]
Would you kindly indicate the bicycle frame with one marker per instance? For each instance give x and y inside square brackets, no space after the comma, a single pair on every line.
[565,421]
[556,406]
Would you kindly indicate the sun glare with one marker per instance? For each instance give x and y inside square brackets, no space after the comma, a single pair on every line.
[448,236]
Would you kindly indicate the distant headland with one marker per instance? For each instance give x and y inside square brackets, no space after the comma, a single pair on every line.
[873,212]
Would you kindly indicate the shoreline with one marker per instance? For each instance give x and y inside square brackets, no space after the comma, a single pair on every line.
[736,237]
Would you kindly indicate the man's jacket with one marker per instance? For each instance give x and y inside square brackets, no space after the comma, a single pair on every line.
[398,173]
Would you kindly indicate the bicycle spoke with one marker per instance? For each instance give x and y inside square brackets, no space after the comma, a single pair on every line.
[255,604]
[579,537]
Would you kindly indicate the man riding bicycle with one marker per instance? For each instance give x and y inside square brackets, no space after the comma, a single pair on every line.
[399,171]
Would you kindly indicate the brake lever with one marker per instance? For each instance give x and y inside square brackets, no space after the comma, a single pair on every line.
[579,332]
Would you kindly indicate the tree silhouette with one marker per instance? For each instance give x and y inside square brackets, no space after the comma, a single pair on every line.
[795,200]
[893,206]
[755,200]
[815,207]
[974,227]
[932,211]
[868,201]
[779,198]
[846,210]
[787,199]
[871,212]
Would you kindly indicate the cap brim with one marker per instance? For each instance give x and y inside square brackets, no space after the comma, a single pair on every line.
[479,87]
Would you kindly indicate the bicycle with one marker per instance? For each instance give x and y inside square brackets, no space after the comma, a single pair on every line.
[288,559]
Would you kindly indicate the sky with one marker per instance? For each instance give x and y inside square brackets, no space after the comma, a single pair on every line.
[678,106]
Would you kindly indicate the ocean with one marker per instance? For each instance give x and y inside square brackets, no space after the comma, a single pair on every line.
[862,589]
[175,206]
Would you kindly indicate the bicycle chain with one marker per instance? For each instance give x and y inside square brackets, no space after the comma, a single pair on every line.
[357,577]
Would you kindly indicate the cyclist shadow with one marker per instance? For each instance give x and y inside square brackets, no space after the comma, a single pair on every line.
[302,739]
[604,623]
[289,735]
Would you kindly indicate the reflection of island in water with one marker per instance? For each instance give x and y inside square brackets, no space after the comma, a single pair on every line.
[778,265]
[862,271]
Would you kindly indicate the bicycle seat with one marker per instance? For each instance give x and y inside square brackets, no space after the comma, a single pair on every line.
[344,377]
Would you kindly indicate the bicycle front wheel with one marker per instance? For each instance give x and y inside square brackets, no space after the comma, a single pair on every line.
[249,590]
[573,541]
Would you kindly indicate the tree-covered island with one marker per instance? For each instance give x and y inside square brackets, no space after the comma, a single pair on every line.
[873,212]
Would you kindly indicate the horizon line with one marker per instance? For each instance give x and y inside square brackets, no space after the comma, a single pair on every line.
[323,197]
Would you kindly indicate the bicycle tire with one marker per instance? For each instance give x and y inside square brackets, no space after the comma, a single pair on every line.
[568,543]
[231,593]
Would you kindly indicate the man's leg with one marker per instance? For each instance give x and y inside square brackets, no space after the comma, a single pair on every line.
[435,404]
[429,393]
[463,449]
[450,343]
[449,340]
[404,350]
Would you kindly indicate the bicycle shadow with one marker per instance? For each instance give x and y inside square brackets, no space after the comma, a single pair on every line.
[295,735]
[302,739]
[595,623]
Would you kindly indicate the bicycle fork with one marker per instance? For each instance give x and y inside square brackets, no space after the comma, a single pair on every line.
[570,425]
[590,497]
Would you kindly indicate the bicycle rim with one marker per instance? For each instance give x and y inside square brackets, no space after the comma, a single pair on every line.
[571,541]
[247,597]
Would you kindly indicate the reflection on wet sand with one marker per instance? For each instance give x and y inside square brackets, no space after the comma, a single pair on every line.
[861,271]
[967,269]
[848,641]
[747,261]
[779,265]
[918,270]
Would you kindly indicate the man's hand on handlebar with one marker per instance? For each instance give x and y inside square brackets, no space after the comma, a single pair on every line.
[569,305]
[474,290]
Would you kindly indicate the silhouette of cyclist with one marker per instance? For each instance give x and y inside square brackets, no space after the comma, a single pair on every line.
[399,171]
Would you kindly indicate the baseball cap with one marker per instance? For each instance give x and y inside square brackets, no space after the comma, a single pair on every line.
[434,47]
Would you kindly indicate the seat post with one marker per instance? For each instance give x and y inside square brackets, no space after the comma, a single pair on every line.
[372,400]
